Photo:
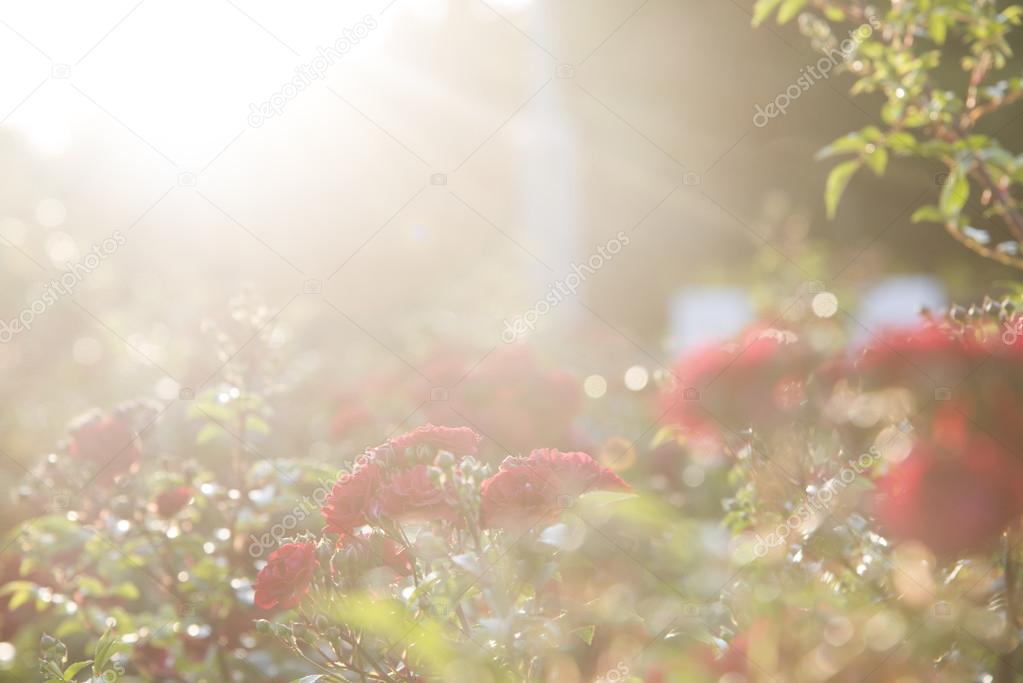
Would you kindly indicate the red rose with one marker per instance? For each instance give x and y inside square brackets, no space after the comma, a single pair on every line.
[573,474]
[508,395]
[456,440]
[527,490]
[106,443]
[956,501]
[926,354]
[369,550]
[516,496]
[759,378]
[286,577]
[171,502]
[347,504]
[411,495]
[979,376]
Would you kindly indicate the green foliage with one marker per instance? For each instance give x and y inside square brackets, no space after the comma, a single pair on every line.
[102,667]
[909,54]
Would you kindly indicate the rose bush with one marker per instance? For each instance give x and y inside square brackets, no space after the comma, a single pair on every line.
[429,557]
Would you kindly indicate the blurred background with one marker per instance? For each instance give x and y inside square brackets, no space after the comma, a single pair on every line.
[395,179]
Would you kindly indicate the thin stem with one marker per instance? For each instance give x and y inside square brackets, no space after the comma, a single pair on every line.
[980,249]
[1006,673]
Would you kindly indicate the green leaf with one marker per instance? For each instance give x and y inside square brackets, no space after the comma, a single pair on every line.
[17,586]
[901,142]
[891,111]
[424,588]
[51,668]
[838,180]
[208,433]
[585,633]
[91,587]
[604,498]
[104,648]
[71,671]
[872,134]
[877,160]
[257,424]
[424,638]
[763,9]
[789,9]
[128,591]
[834,13]
[19,599]
[937,28]
[929,213]
[954,194]
[853,142]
